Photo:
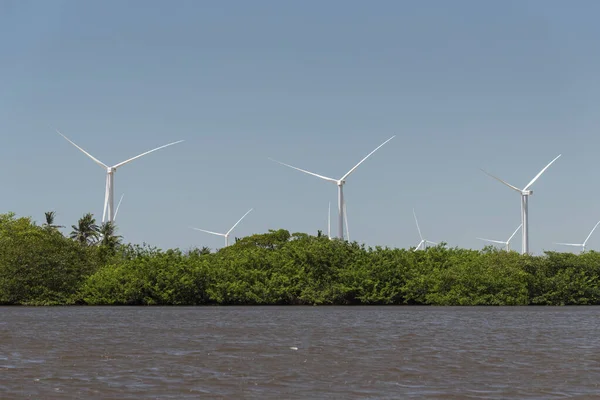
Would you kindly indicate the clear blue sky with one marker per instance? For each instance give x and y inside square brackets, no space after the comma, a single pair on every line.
[504,86]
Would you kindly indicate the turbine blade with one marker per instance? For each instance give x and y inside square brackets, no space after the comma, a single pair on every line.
[586,239]
[571,244]
[143,154]
[118,204]
[541,172]
[240,220]
[83,151]
[514,233]
[501,181]
[361,161]
[211,232]
[419,245]
[305,171]
[417,222]
[493,241]
[429,241]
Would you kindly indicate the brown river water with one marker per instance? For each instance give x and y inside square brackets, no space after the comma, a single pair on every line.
[299,353]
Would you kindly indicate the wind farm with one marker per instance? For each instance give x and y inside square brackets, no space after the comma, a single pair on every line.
[110,212]
[343,233]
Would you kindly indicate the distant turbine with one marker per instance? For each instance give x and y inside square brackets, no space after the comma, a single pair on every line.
[423,242]
[226,235]
[525,193]
[340,184]
[507,243]
[110,175]
[582,245]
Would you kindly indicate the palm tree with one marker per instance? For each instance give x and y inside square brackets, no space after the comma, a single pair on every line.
[86,230]
[205,250]
[107,235]
[49,224]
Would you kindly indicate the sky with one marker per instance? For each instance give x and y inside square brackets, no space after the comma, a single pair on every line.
[505,86]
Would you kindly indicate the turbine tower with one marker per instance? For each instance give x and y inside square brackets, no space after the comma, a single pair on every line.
[506,243]
[346,221]
[423,242]
[525,193]
[116,212]
[340,184]
[110,176]
[582,245]
[226,235]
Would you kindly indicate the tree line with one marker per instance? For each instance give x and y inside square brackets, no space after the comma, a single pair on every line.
[92,266]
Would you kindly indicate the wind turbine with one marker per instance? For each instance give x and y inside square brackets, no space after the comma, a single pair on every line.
[525,193]
[110,175]
[507,243]
[423,242]
[226,235]
[340,184]
[582,245]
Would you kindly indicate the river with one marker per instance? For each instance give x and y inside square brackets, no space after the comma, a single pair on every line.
[299,352]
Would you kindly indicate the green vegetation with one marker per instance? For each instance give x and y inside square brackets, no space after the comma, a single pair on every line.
[41,266]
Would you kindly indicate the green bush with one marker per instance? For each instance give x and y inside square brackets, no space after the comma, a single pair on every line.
[40,266]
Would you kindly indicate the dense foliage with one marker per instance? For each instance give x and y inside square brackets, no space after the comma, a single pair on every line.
[41,266]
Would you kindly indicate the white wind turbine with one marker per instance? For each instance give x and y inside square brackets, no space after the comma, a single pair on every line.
[423,242]
[525,193]
[340,184]
[226,235]
[582,245]
[506,243]
[110,175]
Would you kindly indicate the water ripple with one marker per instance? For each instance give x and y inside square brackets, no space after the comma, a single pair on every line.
[299,353]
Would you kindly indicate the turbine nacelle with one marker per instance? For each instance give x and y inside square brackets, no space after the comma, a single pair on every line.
[527,192]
